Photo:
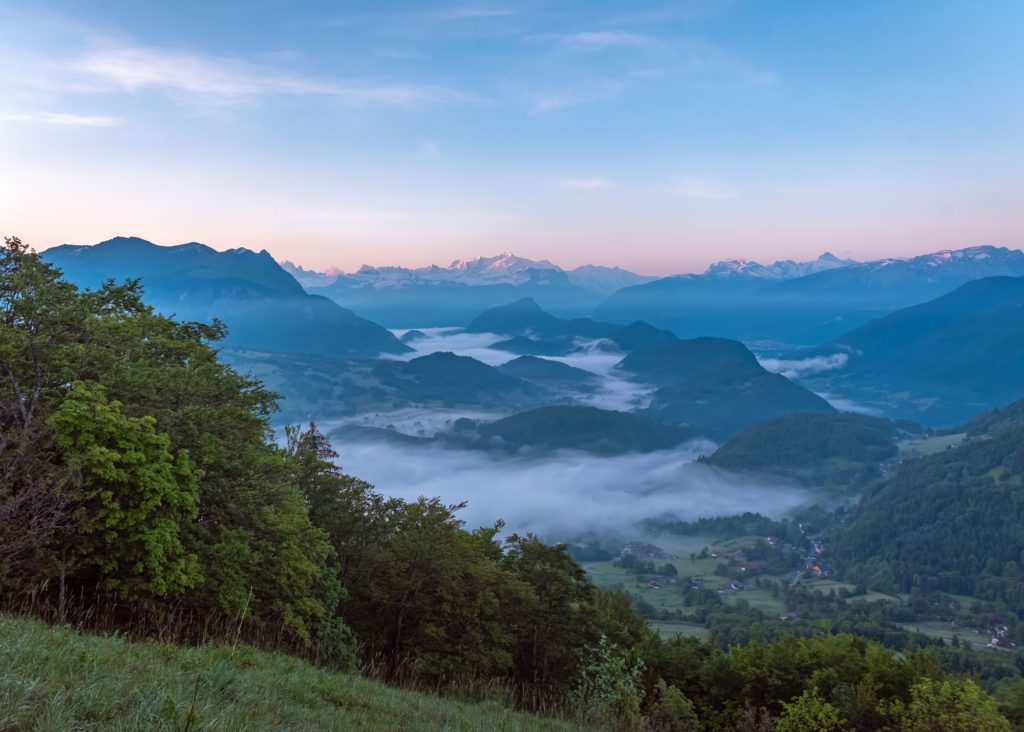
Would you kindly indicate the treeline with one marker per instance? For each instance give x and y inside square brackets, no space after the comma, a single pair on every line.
[141,489]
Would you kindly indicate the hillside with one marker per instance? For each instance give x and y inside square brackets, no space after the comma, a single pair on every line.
[56,678]
[536,332]
[714,386]
[455,380]
[526,317]
[942,361]
[671,361]
[599,431]
[835,451]
[263,306]
[952,522]
[720,404]
[552,374]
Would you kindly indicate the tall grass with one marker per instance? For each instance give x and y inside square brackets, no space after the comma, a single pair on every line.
[54,678]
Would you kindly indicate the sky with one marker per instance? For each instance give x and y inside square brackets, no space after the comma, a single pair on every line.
[655,136]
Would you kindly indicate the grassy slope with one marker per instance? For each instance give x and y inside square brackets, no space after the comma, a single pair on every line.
[52,678]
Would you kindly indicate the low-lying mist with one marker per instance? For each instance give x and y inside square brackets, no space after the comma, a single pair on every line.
[565,494]
[615,391]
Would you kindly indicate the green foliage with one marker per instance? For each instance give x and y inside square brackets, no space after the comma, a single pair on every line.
[949,705]
[162,481]
[608,687]
[672,711]
[810,713]
[130,496]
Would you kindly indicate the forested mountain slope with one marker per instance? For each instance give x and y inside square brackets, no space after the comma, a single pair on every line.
[952,522]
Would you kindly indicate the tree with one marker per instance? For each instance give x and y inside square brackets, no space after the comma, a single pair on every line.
[131,497]
[950,705]
[608,687]
[810,713]
[672,711]
[555,620]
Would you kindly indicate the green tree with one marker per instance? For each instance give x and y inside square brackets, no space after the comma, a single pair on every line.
[672,711]
[131,497]
[810,713]
[608,687]
[950,705]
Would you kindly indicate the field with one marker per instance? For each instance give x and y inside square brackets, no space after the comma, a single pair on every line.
[931,445]
[52,678]
[937,629]
[824,585]
[669,596]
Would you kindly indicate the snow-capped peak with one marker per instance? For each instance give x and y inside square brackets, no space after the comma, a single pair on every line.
[783,269]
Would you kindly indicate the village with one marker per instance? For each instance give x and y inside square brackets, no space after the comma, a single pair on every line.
[665,578]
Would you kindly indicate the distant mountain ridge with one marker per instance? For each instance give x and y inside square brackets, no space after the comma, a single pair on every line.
[784,269]
[504,268]
[753,302]
[263,306]
[941,361]
[433,296]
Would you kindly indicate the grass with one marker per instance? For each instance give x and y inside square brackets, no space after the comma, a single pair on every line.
[933,444]
[669,629]
[54,678]
[824,585]
[943,630]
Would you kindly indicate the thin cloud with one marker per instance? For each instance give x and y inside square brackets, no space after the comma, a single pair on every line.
[599,40]
[62,119]
[562,99]
[470,13]
[212,77]
[582,184]
[693,187]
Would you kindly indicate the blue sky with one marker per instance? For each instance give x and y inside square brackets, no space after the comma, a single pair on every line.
[656,136]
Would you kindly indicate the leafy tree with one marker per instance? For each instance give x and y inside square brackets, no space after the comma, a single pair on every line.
[130,496]
[950,705]
[555,620]
[810,713]
[608,687]
[672,711]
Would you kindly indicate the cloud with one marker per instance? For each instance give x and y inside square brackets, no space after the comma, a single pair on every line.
[62,119]
[849,405]
[693,187]
[565,494]
[470,13]
[554,100]
[214,77]
[599,40]
[797,368]
[582,184]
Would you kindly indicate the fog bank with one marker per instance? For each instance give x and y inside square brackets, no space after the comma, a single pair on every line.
[564,494]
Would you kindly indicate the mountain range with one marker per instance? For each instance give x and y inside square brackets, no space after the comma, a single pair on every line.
[754,303]
[263,306]
[401,297]
[938,362]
